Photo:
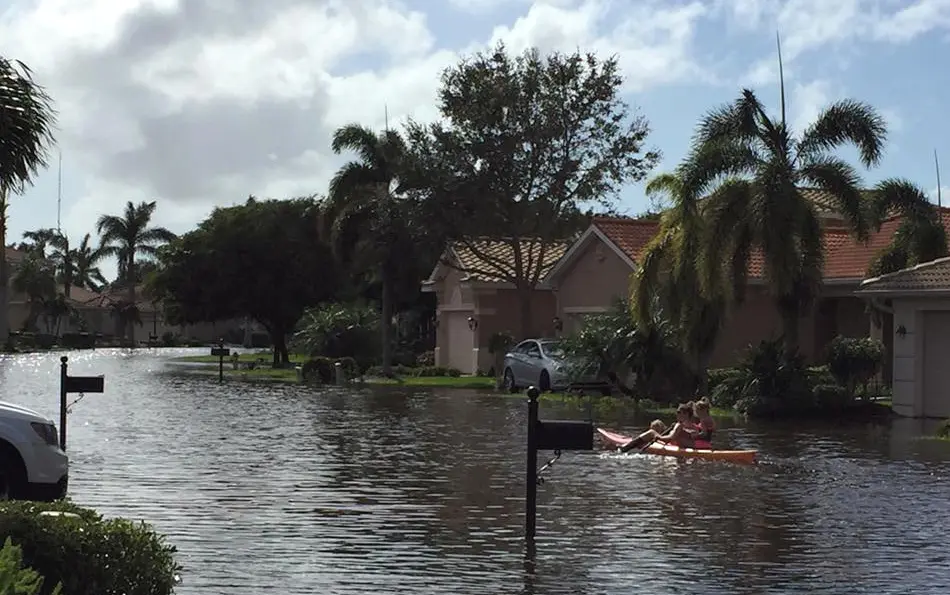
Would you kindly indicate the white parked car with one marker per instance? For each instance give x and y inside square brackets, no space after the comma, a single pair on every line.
[32,465]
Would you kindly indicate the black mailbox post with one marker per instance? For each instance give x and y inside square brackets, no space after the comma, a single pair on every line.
[553,435]
[221,352]
[74,384]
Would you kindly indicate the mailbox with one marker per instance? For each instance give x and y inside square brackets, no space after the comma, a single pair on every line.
[565,435]
[220,351]
[84,384]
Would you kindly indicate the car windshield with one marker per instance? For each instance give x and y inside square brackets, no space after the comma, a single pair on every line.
[552,349]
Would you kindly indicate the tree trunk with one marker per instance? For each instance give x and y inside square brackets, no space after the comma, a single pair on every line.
[4,272]
[790,320]
[281,356]
[386,318]
[524,304]
[130,330]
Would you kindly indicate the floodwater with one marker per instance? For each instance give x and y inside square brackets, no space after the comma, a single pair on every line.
[309,490]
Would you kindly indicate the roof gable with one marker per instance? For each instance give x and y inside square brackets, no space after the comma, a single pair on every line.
[480,260]
[925,278]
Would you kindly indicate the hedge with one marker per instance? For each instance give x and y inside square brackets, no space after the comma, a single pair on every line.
[417,371]
[89,554]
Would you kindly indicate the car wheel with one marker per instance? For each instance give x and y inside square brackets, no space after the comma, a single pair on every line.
[510,381]
[544,382]
[12,478]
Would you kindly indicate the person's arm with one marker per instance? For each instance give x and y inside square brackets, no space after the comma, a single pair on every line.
[673,433]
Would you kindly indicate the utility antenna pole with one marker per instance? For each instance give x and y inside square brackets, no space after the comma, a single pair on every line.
[781,75]
[939,190]
[59,193]
[386,116]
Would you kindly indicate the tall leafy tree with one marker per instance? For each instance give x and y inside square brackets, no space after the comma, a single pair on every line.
[920,235]
[668,284]
[756,168]
[525,143]
[128,237]
[27,119]
[267,260]
[370,223]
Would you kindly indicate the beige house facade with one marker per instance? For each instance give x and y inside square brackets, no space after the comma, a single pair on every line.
[918,301]
[473,302]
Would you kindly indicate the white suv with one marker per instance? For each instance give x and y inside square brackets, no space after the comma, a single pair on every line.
[32,465]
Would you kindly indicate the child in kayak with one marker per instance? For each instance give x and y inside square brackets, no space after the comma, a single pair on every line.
[705,425]
[678,435]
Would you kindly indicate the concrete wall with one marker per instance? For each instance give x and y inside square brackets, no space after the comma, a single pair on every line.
[910,354]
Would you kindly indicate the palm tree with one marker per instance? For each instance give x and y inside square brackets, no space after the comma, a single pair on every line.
[76,267]
[920,235]
[368,221]
[35,278]
[38,240]
[669,282]
[86,272]
[760,168]
[26,130]
[127,237]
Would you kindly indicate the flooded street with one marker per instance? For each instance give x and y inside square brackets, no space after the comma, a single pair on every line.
[342,491]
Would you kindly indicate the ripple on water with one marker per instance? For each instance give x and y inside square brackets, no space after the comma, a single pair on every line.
[342,491]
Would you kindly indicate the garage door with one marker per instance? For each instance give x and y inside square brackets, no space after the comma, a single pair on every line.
[936,364]
[460,341]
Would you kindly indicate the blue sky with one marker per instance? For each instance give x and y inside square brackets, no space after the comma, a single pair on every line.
[196,108]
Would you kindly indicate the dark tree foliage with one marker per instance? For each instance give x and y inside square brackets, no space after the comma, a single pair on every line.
[525,144]
[263,259]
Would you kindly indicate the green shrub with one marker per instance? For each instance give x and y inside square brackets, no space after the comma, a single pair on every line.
[15,579]
[350,368]
[340,330]
[771,382]
[78,340]
[943,431]
[89,555]
[830,397]
[854,362]
[426,358]
[318,370]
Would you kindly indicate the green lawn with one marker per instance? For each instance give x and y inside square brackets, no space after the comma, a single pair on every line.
[267,356]
[437,381]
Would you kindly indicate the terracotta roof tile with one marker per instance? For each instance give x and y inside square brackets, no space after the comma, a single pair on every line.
[630,235]
[933,275]
[845,257]
[475,268]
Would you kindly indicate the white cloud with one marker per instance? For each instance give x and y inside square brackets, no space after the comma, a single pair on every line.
[811,25]
[199,104]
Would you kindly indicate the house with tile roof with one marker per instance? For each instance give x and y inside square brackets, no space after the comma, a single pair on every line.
[596,269]
[918,300]
[476,297]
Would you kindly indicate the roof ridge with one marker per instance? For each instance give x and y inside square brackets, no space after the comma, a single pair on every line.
[906,270]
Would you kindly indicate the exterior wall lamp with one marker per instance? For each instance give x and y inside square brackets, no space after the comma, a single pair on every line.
[472,324]
[558,324]
[901,331]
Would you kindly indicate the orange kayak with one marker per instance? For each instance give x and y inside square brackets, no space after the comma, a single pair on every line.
[657,448]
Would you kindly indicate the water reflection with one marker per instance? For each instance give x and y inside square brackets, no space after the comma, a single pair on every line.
[420,491]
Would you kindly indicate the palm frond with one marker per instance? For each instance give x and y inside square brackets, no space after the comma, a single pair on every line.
[845,122]
[904,197]
[27,118]
[842,182]
[359,139]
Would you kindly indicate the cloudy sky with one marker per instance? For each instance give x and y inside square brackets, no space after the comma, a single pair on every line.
[197,103]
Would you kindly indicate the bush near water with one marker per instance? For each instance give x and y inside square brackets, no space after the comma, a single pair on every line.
[88,555]
[768,382]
